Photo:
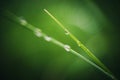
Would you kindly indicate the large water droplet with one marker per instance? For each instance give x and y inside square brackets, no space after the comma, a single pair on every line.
[67,47]
[38,32]
[47,38]
[22,21]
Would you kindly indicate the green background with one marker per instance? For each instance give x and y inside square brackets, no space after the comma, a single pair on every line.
[26,57]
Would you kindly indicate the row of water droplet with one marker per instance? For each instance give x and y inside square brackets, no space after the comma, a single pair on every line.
[39,33]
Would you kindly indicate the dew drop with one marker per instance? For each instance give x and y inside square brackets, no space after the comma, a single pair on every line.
[47,38]
[22,21]
[67,47]
[67,32]
[38,32]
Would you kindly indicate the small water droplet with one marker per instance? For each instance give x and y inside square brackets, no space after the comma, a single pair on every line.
[67,47]
[38,32]
[67,32]
[47,38]
[22,21]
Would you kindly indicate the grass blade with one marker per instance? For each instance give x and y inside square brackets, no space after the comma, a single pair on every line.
[81,45]
[38,32]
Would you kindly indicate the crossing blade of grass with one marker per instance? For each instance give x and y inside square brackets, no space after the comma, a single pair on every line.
[79,43]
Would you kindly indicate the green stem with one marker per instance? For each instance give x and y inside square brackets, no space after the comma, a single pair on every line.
[81,45]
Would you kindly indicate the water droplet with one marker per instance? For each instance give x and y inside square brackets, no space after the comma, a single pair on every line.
[67,32]
[47,38]
[22,21]
[67,47]
[38,32]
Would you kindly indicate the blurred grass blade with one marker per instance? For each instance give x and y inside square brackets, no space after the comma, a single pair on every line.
[89,53]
